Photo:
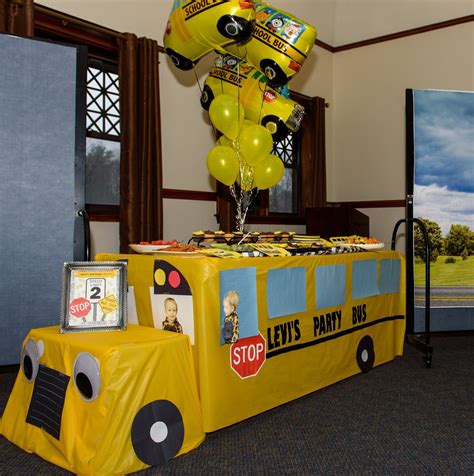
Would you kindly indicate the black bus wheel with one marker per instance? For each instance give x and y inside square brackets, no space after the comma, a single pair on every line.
[157,432]
[207,96]
[274,73]
[235,28]
[365,354]
[180,61]
[276,126]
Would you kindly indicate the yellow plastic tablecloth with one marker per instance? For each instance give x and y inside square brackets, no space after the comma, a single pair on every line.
[146,377]
[361,331]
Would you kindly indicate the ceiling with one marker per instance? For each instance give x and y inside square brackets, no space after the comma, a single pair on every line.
[340,22]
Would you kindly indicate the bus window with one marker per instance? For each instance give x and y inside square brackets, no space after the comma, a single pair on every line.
[286,291]
[330,286]
[364,279]
[389,276]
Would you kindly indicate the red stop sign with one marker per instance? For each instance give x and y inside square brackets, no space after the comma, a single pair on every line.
[248,355]
[79,307]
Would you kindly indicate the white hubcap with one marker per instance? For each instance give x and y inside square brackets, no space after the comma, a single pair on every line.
[158,432]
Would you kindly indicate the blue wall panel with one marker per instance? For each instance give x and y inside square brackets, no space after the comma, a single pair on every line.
[37,184]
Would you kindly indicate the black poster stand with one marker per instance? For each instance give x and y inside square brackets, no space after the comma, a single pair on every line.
[413,339]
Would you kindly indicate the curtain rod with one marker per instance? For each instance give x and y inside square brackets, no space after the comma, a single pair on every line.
[65,19]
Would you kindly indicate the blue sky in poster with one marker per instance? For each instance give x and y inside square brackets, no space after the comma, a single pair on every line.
[444,157]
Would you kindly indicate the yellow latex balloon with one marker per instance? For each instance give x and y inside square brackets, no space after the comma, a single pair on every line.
[256,143]
[268,172]
[223,164]
[223,140]
[245,177]
[248,122]
[227,115]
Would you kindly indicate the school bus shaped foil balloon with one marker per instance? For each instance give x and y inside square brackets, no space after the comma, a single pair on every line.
[279,45]
[196,27]
[262,104]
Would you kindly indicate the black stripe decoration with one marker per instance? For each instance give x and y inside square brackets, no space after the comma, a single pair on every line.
[303,345]
[167,279]
[157,432]
[47,401]
[197,12]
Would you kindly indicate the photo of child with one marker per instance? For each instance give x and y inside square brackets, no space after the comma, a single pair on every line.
[230,328]
[237,289]
[171,322]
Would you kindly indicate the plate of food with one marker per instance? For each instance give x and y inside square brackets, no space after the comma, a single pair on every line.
[369,246]
[366,243]
[146,247]
[179,249]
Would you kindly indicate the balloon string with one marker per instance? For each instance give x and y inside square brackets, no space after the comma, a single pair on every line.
[222,82]
[261,104]
[200,90]
[197,80]
[238,90]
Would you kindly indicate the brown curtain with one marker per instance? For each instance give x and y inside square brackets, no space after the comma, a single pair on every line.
[17,17]
[225,208]
[313,152]
[141,204]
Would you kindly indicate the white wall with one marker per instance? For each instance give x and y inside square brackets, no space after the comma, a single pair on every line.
[357,20]
[369,109]
[104,238]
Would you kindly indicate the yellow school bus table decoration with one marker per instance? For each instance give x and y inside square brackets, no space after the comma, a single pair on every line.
[296,323]
[105,403]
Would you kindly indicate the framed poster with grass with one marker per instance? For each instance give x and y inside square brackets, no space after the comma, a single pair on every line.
[440,192]
[94,296]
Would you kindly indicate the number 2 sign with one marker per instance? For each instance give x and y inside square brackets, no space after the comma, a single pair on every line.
[94,296]
[95,289]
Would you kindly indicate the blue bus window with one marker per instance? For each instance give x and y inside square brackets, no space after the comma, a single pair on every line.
[364,279]
[330,286]
[389,276]
[241,283]
[286,291]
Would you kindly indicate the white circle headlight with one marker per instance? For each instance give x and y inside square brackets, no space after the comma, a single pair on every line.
[87,376]
[30,356]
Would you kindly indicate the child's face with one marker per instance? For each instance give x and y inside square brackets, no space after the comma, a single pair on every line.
[171,311]
[228,308]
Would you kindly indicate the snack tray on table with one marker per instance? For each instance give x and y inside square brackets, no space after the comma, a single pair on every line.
[147,249]
[344,241]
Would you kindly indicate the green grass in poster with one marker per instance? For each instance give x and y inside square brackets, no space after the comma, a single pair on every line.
[460,273]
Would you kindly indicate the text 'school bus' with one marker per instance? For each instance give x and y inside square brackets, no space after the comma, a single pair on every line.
[262,104]
[196,27]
